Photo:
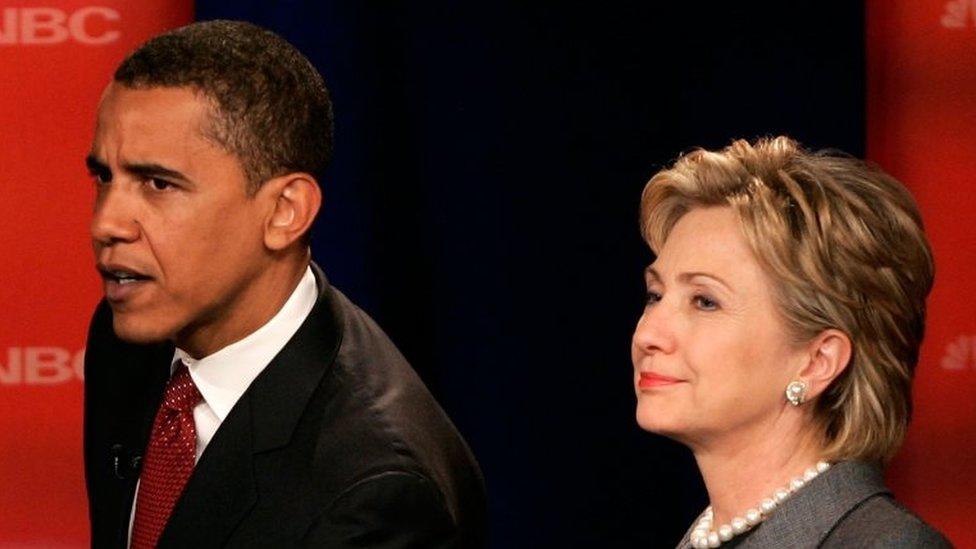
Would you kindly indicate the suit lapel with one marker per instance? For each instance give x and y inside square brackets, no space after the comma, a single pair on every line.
[123,388]
[222,488]
[135,439]
[282,391]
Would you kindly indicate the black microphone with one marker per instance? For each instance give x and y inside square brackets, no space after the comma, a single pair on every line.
[125,463]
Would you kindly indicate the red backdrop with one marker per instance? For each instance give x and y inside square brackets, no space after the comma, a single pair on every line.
[921,114]
[55,58]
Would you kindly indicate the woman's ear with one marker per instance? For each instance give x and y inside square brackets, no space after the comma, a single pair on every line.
[295,200]
[827,356]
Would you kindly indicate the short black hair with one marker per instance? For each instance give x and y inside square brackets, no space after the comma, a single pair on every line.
[270,106]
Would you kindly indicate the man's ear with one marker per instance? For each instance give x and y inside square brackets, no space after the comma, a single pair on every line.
[295,199]
[827,356]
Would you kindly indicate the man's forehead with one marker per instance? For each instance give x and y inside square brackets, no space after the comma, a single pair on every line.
[157,125]
[181,98]
[151,111]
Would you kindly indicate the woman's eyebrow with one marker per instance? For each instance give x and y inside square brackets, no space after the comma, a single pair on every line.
[687,277]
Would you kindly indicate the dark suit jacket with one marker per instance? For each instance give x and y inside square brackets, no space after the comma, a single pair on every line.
[337,443]
[847,506]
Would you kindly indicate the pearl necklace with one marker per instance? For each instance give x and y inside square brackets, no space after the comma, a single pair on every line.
[704,536]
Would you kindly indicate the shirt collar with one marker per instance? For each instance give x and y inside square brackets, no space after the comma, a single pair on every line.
[222,377]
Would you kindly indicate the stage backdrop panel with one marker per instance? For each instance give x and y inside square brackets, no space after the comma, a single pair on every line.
[921,112]
[55,58]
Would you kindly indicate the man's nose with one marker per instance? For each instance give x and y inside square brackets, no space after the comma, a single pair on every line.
[655,330]
[114,219]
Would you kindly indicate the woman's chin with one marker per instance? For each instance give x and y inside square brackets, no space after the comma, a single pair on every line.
[653,421]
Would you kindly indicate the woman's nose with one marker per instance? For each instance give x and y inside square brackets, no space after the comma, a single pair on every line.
[655,330]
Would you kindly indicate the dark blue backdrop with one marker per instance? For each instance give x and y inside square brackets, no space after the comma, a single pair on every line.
[482,206]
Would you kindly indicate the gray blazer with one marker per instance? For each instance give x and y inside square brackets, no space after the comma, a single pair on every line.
[847,506]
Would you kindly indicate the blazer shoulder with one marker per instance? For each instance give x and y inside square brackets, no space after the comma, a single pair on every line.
[881,521]
[384,394]
[381,402]
[382,420]
[393,508]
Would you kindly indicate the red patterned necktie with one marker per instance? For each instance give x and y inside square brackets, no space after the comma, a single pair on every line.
[169,459]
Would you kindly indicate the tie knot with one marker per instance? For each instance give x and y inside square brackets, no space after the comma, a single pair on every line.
[181,393]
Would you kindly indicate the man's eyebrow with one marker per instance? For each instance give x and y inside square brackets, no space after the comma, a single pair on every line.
[145,170]
[151,170]
[95,165]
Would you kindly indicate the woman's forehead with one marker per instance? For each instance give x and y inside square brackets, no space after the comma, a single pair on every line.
[707,241]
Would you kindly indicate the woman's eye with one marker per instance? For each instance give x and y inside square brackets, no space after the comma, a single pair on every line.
[705,303]
[652,298]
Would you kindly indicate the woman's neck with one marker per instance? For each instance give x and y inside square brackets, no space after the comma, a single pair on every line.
[742,469]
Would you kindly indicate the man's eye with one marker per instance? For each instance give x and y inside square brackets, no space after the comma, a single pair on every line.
[160,184]
[705,303]
[100,178]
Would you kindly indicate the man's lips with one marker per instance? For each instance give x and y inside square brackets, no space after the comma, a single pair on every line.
[121,281]
[649,380]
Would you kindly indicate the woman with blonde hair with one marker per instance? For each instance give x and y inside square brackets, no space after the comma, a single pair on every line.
[785,309]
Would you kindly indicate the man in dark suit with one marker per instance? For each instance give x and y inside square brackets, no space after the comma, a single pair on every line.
[232,396]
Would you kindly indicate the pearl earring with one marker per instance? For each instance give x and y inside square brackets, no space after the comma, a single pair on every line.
[796,392]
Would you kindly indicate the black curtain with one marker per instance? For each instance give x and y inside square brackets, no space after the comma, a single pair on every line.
[483,203]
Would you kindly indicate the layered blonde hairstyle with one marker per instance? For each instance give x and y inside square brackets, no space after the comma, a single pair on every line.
[843,244]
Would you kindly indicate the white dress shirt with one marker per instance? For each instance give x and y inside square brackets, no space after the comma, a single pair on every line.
[222,377]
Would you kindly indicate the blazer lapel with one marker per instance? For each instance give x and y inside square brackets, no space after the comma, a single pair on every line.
[807,517]
[222,488]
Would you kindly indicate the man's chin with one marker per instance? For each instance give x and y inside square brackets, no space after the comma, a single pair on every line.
[138,331]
